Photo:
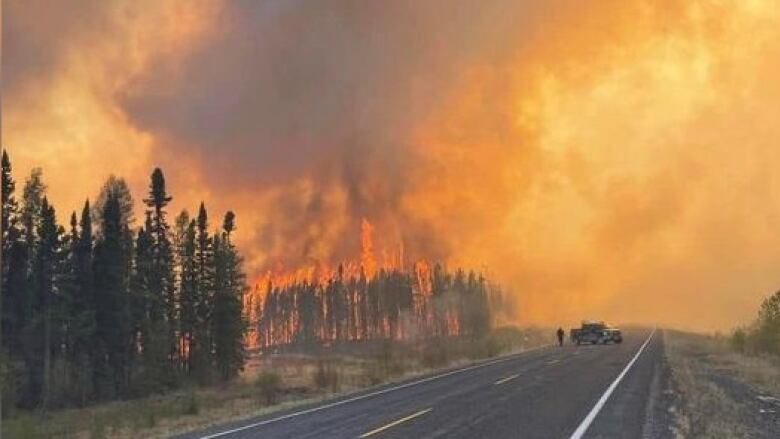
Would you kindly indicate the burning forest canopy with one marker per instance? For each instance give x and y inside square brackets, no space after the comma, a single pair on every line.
[597,158]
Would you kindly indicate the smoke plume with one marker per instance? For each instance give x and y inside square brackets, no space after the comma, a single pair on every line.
[600,158]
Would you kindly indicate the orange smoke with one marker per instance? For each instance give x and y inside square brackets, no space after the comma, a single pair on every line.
[606,159]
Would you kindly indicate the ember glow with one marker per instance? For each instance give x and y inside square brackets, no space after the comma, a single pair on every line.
[597,158]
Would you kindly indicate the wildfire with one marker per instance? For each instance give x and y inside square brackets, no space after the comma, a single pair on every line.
[320,272]
[358,283]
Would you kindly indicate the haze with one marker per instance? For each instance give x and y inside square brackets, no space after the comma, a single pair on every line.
[610,159]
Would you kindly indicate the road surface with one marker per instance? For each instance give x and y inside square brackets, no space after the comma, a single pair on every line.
[571,392]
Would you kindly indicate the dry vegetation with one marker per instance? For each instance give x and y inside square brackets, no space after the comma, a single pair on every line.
[717,386]
[269,383]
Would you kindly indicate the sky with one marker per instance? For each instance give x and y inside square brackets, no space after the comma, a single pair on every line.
[600,159]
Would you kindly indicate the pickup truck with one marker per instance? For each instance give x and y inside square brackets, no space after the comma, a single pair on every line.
[595,332]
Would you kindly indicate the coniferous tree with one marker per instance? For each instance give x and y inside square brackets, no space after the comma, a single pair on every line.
[32,206]
[81,306]
[112,314]
[143,313]
[14,265]
[44,273]
[82,312]
[203,298]
[162,278]
[116,186]
[188,292]
[228,318]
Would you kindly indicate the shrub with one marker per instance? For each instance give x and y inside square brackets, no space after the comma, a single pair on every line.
[739,340]
[269,385]
[326,376]
[191,404]
[22,427]
[97,429]
[435,353]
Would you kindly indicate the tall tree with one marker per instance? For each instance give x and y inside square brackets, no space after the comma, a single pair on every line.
[204,296]
[111,303]
[228,318]
[32,206]
[44,277]
[162,282]
[9,204]
[82,311]
[188,292]
[14,263]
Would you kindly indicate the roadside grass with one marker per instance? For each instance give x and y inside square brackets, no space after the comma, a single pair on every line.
[269,383]
[707,410]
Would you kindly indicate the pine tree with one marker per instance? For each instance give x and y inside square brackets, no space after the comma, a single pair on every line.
[142,308]
[81,315]
[9,204]
[112,314]
[228,318]
[162,282]
[204,296]
[188,291]
[44,278]
[14,266]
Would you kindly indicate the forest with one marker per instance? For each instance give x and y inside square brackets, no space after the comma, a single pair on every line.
[102,309]
[391,304]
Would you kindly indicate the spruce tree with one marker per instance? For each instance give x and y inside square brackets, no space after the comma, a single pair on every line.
[44,277]
[82,303]
[32,206]
[204,296]
[188,293]
[162,284]
[14,266]
[112,315]
[228,318]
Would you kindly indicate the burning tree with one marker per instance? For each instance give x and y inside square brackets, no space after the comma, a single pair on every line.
[364,301]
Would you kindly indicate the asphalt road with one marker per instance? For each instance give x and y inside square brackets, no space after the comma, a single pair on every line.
[551,392]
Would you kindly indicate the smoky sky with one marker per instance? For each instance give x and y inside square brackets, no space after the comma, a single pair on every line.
[583,152]
[285,88]
[38,33]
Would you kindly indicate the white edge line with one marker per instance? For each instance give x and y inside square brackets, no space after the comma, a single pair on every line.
[509,378]
[371,394]
[395,423]
[583,427]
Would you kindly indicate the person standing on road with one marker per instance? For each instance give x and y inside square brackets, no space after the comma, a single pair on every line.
[560,334]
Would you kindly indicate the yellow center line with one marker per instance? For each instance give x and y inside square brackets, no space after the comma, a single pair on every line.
[394,423]
[503,380]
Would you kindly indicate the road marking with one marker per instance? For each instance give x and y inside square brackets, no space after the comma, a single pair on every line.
[580,431]
[394,423]
[503,380]
[553,361]
[371,394]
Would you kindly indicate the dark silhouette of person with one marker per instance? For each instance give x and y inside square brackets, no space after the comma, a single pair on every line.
[560,334]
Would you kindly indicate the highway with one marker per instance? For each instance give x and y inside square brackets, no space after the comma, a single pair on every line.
[551,392]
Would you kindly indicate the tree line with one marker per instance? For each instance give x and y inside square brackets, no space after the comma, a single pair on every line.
[392,304]
[102,309]
[763,335]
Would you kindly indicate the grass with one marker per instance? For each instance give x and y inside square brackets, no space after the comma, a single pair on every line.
[707,409]
[269,383]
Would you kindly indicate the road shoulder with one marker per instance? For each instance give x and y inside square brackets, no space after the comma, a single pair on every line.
[720,393]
